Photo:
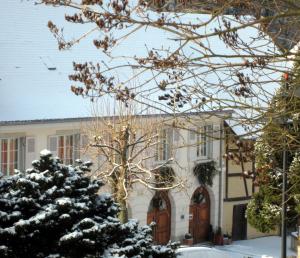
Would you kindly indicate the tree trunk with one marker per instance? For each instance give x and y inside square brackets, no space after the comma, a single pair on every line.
[121,196]
[122,184]
[123,214]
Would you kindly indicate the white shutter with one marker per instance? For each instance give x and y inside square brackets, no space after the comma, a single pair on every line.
[210,139]
[30,151]
[176,133]
[169,142]
[84,141]
[192,135]
[192,144]
[85,154]
[53,145]
[76,146]
[30,145]
[216,133]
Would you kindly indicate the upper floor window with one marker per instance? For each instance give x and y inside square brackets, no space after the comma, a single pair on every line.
[164,145]
[12,152]
[203,147]
[66,147]
[200,140]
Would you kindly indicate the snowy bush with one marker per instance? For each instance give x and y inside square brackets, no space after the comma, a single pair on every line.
[263,215]
[54,210]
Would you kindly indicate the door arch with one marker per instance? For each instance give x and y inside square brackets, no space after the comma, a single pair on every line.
[159,211]
[199,217]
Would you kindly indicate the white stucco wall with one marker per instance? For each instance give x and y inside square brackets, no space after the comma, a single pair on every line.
[140,196]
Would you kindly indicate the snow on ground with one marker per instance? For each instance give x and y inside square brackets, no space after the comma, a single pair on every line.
[263,247]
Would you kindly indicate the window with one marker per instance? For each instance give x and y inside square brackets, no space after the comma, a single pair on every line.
[204,141]
[66,147]
[11,154]
[164,145]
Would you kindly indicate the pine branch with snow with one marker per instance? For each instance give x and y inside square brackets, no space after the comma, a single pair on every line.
[53,210]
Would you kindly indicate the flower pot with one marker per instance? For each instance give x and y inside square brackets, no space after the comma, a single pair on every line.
[188,242]
[218,240]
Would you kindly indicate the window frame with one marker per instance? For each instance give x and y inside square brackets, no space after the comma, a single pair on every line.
[204,141]
[164,144]
[12,156]
[67,147]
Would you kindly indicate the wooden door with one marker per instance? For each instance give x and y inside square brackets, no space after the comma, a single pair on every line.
[199,219]
[160,213]
[239,222]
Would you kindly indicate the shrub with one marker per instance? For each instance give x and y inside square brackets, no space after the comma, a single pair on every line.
[53,210]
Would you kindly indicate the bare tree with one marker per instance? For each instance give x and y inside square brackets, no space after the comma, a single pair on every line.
[227,55]
[126,147]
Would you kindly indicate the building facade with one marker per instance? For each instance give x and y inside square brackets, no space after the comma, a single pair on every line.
[194,209]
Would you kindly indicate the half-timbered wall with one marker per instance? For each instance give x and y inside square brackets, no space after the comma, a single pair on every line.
[238,188]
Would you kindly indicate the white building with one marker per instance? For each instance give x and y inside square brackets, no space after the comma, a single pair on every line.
[38,110]
[177,211]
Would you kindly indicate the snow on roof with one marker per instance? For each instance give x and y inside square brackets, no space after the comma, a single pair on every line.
[34,82]
[33,73]
[220,114]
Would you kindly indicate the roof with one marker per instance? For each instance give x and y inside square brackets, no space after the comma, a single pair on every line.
[85,119]
[34,81]
[34,84]
[33,73]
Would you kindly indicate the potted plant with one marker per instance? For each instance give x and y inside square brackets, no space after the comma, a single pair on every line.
[227,239]
[205,172]
[218,239]
[188,239]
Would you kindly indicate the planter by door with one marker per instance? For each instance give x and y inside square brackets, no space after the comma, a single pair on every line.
[160,212]
[239,223]
[199,218]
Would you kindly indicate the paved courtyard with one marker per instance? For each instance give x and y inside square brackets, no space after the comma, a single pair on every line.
[263,247]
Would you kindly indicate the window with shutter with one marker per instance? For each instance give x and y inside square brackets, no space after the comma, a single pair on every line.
[164,145]
[66,147]
[4,156]
[9,155]
[204,141]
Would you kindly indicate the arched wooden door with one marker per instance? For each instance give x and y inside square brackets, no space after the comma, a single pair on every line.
[160,212]
[199,218]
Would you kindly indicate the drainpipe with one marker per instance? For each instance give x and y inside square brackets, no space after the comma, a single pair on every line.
[220,175]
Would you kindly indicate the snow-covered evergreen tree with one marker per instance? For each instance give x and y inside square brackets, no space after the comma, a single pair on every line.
[54,210]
